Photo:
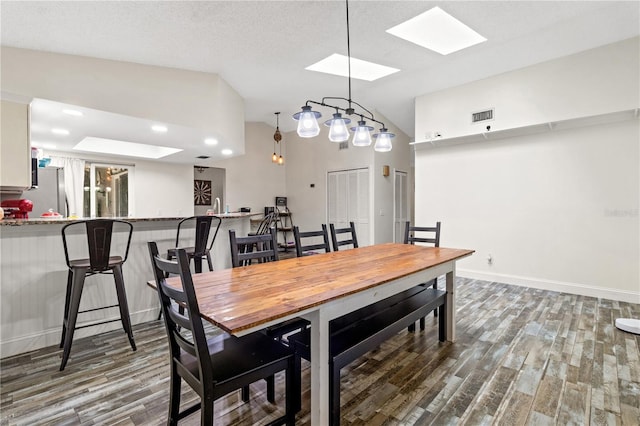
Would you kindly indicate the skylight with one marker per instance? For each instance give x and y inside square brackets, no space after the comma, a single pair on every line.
[131,149]
[436,30]
[337,64]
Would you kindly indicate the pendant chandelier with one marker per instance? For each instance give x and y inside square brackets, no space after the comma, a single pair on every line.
[338,132]
[277,137]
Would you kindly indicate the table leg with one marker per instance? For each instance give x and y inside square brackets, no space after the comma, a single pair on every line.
[451,305]
[319,368]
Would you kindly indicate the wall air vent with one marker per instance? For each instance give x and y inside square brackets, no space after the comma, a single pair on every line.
[343,145]
[480,116]
[202,157]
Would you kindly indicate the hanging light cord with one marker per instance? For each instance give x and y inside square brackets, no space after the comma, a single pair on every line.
[349,110]
[348,53]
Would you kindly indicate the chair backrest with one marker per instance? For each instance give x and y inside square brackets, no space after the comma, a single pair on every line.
[181,315]
[351,239]
[98,237]
[267,223]
[244,250]
[302,250]
[201,229]
[432,237]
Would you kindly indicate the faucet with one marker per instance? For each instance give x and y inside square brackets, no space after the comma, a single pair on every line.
[216,203]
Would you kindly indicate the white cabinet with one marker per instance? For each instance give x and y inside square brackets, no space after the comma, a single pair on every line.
[15,151]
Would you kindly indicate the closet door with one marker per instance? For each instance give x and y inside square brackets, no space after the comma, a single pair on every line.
[348,196]
[401,205]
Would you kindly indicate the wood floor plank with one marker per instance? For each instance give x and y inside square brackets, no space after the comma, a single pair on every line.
[523,356]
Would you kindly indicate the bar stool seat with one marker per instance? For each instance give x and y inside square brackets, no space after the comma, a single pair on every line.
[98,235]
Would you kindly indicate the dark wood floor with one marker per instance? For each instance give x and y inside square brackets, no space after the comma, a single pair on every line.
[523,356]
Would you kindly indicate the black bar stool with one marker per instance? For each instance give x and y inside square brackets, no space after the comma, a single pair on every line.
[98,233]
[200,248]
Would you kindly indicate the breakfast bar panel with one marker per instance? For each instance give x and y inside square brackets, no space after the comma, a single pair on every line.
[33,277]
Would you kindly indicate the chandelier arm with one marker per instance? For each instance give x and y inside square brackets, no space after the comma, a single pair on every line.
[349,110]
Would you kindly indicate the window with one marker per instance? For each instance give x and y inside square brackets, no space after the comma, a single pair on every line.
[108,190]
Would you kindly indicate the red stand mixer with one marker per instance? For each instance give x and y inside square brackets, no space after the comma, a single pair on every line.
[16,209]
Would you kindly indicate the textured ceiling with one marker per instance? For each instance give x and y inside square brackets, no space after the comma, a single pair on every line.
[262,47]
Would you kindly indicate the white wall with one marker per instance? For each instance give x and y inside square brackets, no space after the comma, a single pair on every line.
[592,82]
[217,177]
[189,98]
[556,210]
[397,159]
[252,180]
[163,189]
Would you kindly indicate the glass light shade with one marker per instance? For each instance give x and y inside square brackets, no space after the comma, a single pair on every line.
[361,135]
[274,158]
[307,122]
[280,160]
[338,131]
[383,141]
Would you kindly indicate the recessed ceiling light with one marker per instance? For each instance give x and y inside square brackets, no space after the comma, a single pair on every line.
[73,112]
[436,30]
[159,128]
[226,151]
[60,131]
[211,141]
[363,70]
[130,149]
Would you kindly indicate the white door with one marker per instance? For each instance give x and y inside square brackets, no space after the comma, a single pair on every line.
[348,201]
[401,204]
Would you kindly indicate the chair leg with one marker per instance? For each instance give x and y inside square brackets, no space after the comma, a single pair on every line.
[209,261]
[77,283]
[442,332]
[122,304]
[271,389]
[66,306]
[206,411]
[293,398]
[170,256]
[297,384]
[174,397]
[245,393]
[411,328]
[435,287]
[197,261]
[334,395]
[422,322]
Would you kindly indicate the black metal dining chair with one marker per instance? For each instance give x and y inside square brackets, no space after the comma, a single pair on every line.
[423,235]
[338,236]
[258,248]
[262,249]
[216,366]
[93,256]
[314,245]
[269,221]
[202,244]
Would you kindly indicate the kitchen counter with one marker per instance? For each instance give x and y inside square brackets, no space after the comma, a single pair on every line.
[64,220]
[33,274]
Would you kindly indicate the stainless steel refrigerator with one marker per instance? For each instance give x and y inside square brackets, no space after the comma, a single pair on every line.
[49,194]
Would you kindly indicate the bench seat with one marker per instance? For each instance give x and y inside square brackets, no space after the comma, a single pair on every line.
[363,330]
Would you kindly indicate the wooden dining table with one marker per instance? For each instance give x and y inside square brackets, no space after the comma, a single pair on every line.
[320,288]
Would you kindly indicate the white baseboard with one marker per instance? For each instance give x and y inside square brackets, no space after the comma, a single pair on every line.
[51,337]
[564,287]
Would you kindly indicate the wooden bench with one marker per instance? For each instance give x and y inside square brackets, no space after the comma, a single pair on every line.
[361,331]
